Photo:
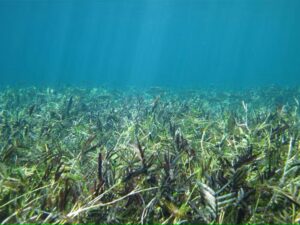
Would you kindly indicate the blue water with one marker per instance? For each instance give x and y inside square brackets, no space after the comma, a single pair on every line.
[234,43]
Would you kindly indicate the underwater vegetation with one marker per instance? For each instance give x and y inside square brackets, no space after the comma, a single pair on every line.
[72,155]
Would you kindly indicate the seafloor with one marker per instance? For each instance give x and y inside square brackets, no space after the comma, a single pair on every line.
[100,155]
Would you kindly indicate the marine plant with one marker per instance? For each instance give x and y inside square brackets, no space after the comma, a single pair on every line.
[79,155]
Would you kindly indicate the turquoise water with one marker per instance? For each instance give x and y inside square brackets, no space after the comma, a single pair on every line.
[232,43]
